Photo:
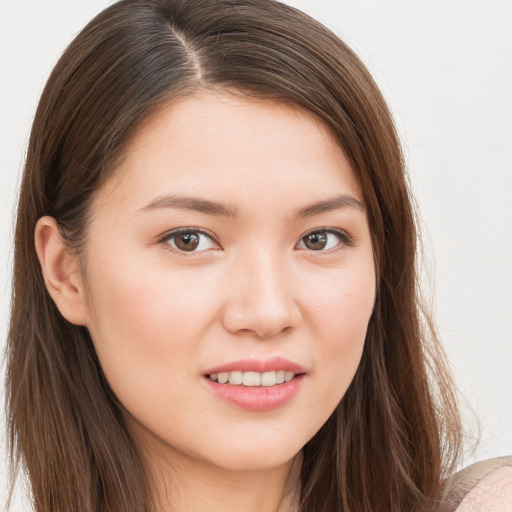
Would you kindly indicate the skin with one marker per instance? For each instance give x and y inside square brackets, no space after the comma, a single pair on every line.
[160,317]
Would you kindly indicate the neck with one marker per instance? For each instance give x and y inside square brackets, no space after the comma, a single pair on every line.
[183,483]
[218,490]
[196,486]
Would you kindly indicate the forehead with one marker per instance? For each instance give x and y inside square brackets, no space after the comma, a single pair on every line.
[231,145]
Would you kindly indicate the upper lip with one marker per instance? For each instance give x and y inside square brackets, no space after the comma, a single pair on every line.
[258,365]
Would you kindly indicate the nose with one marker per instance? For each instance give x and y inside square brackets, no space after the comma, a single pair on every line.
[261,299]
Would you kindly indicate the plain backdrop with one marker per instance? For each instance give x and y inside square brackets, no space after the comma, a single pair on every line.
[445,68]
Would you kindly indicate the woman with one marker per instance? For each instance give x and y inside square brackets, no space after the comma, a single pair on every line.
[220,309]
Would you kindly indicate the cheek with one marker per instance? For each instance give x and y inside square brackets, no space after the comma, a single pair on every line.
[341,302]
[340,310]
[148,323]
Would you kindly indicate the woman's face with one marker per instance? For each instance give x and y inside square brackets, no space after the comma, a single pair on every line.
[231,244]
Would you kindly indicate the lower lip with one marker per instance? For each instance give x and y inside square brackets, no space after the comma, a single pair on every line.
[257,399]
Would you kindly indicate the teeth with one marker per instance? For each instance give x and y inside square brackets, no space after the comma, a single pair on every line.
[235,378]
[222,378]
[269,379]
[253,379]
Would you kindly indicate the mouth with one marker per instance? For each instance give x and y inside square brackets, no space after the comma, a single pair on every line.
[253,379]
[256,385]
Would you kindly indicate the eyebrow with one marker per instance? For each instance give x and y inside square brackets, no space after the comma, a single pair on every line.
[335,203]
[209,207]
[192,203]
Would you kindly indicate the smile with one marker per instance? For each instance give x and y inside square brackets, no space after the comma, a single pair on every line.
[253,379]
[256,385]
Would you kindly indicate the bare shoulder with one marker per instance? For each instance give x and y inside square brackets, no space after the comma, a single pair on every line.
[482,487]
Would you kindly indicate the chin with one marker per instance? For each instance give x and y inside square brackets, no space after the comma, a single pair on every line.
[265,461]
[256,453]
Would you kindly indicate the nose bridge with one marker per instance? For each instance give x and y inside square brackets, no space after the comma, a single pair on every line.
[262,298]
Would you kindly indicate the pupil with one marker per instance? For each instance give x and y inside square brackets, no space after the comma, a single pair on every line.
[316,241]
[187,241]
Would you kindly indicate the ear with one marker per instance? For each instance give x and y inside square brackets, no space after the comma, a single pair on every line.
[61,271]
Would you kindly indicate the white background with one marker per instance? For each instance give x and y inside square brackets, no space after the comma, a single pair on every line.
[445,68]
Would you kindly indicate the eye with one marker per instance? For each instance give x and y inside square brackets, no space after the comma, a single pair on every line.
[189,240]
[324,239]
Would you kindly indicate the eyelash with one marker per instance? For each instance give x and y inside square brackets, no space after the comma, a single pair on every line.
[345,240]
[168,237]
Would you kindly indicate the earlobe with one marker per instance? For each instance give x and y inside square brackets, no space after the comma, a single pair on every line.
[61,271]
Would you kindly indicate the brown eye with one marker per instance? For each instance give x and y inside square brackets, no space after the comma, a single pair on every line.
[315,241]
[188,240]
[324,239]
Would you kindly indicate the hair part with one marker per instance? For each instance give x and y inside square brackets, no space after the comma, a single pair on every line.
[395,434]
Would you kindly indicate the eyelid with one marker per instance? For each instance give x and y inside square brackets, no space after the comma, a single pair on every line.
[346,240]
[164,239]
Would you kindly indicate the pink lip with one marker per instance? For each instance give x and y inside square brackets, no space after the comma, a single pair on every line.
[258,365]
[257,399]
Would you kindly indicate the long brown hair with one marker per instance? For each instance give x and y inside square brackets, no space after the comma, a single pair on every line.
[396,433]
